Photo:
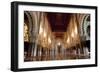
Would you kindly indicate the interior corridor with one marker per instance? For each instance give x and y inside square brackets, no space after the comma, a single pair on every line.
[56,36]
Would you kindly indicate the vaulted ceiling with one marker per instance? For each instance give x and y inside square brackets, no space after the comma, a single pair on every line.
[58,22]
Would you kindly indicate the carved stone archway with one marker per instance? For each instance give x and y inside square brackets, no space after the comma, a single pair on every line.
[85,23]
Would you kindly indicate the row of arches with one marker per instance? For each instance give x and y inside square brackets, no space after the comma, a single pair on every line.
[33,51]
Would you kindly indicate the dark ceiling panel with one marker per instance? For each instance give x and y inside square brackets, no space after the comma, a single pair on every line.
[58,21]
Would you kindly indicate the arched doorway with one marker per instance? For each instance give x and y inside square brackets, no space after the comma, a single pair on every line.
[28,36]
[31,29]
[85,35]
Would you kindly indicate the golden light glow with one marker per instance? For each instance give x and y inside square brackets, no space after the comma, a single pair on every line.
[44,34]
[49,40]
[58,43]
[76,30]
[25,32]
[72,34]
[25,28]
[68,40]
[41,30]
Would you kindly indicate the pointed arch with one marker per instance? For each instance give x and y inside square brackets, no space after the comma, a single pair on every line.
[83,27]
